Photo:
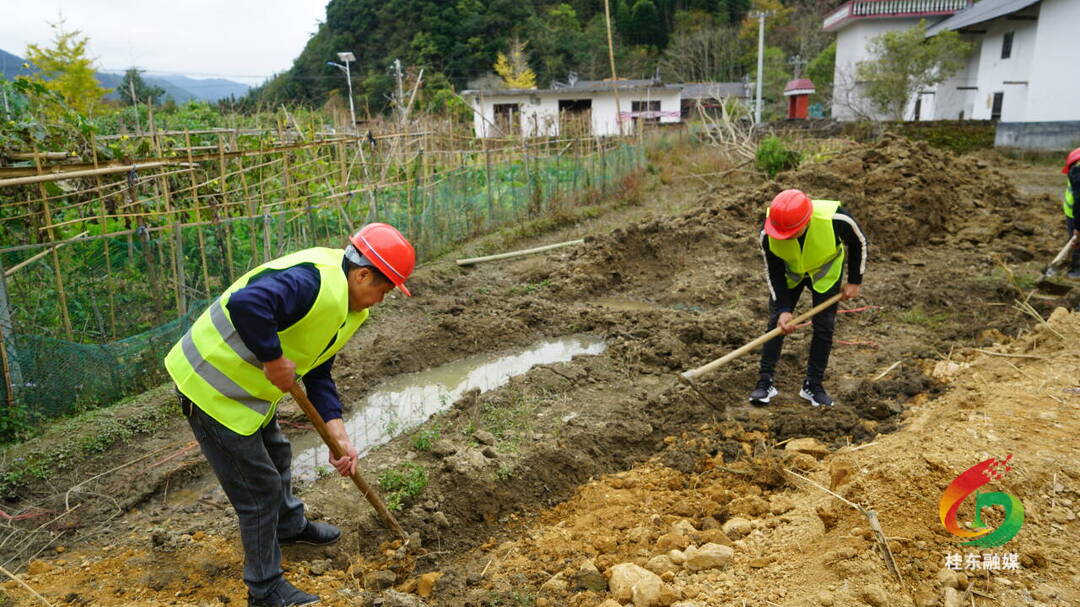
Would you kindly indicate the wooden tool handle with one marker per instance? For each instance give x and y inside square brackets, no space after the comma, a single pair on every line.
[723,360]
[335,448]
[1064,251]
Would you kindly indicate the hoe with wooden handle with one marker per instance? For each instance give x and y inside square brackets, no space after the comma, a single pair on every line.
[1044,283]
[368,492]
[688,377]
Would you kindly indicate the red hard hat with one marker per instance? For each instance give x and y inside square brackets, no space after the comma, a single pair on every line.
[789,212]
[388,250]
[1072,158]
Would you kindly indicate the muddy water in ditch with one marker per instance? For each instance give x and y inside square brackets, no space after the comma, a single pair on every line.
[407,400]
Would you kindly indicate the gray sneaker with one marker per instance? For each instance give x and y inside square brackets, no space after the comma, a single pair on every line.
[763,392]
[816,394]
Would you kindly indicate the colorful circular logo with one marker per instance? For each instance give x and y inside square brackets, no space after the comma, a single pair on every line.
[967,483]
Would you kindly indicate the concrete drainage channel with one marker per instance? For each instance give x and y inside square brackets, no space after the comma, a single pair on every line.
[405,401]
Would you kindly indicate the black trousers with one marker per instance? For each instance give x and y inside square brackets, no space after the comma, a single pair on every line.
[820,343]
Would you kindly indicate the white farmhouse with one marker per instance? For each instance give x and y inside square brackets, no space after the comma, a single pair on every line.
[583,108]
[1020,74]
[856,23]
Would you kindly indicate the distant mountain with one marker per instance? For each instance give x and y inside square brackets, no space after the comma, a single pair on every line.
[179,88]
[112,80]
[209,89]
[12,66]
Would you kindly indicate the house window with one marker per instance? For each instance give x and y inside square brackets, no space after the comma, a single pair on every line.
[918,108]
[1006,45]
[508,119]
[995,109]
[646,106]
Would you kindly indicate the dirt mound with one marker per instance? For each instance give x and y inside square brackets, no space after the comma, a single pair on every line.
[905,192]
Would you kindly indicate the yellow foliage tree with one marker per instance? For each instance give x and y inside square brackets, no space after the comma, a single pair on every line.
[66,68]
[514,68]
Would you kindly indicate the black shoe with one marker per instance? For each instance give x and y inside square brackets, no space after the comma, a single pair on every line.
[283,595]
[1074,273]
[816,394]
[315,534]
[764,391]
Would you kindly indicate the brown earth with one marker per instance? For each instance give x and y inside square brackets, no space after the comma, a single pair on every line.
[672,278]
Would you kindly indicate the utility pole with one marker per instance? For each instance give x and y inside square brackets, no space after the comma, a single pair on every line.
[614,79]
[400,91]
[760,16]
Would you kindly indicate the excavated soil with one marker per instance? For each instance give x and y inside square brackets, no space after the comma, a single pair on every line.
[601,456]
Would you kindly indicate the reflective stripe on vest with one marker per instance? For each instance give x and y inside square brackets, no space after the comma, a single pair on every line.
[213,367]
[1067,206]
[819,257]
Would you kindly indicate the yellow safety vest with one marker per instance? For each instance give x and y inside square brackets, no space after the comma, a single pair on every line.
[212,366]
[1068,204]
[819,257]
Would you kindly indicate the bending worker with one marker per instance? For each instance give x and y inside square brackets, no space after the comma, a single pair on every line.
[1072,191]
[284,319]
[804,243]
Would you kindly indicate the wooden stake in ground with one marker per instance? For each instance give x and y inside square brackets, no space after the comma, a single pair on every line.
[474,260]
[365,489]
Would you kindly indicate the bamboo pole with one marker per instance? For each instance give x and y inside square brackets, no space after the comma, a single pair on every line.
[45,155]
[106,248]
[228,225]
[148,256]
[475,260]
[266,217]
[176,243]
[198,219]
[55,257]
[487,183]
[252,210]
[43,177]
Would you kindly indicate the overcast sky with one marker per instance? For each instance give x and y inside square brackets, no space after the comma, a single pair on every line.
[242,40]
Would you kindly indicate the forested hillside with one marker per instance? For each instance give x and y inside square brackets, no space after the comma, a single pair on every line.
[457,42]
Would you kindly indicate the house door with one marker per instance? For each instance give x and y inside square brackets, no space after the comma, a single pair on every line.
[995,107]
[575,117]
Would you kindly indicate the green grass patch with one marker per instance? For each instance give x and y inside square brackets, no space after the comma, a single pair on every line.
[403,484]
[509,416]
[69,442]
[422,440]
[923,317]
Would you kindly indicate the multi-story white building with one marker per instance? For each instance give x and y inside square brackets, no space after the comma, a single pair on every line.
[1020,74]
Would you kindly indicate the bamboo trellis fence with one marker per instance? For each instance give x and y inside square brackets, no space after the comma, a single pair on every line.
[104,264]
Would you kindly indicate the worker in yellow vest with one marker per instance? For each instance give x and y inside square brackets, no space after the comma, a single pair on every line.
[285,319]
[805,243]
[1072,191]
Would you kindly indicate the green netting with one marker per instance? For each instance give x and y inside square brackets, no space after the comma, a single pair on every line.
[129,298]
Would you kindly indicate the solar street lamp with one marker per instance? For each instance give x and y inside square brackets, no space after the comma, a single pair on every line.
[347,57]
